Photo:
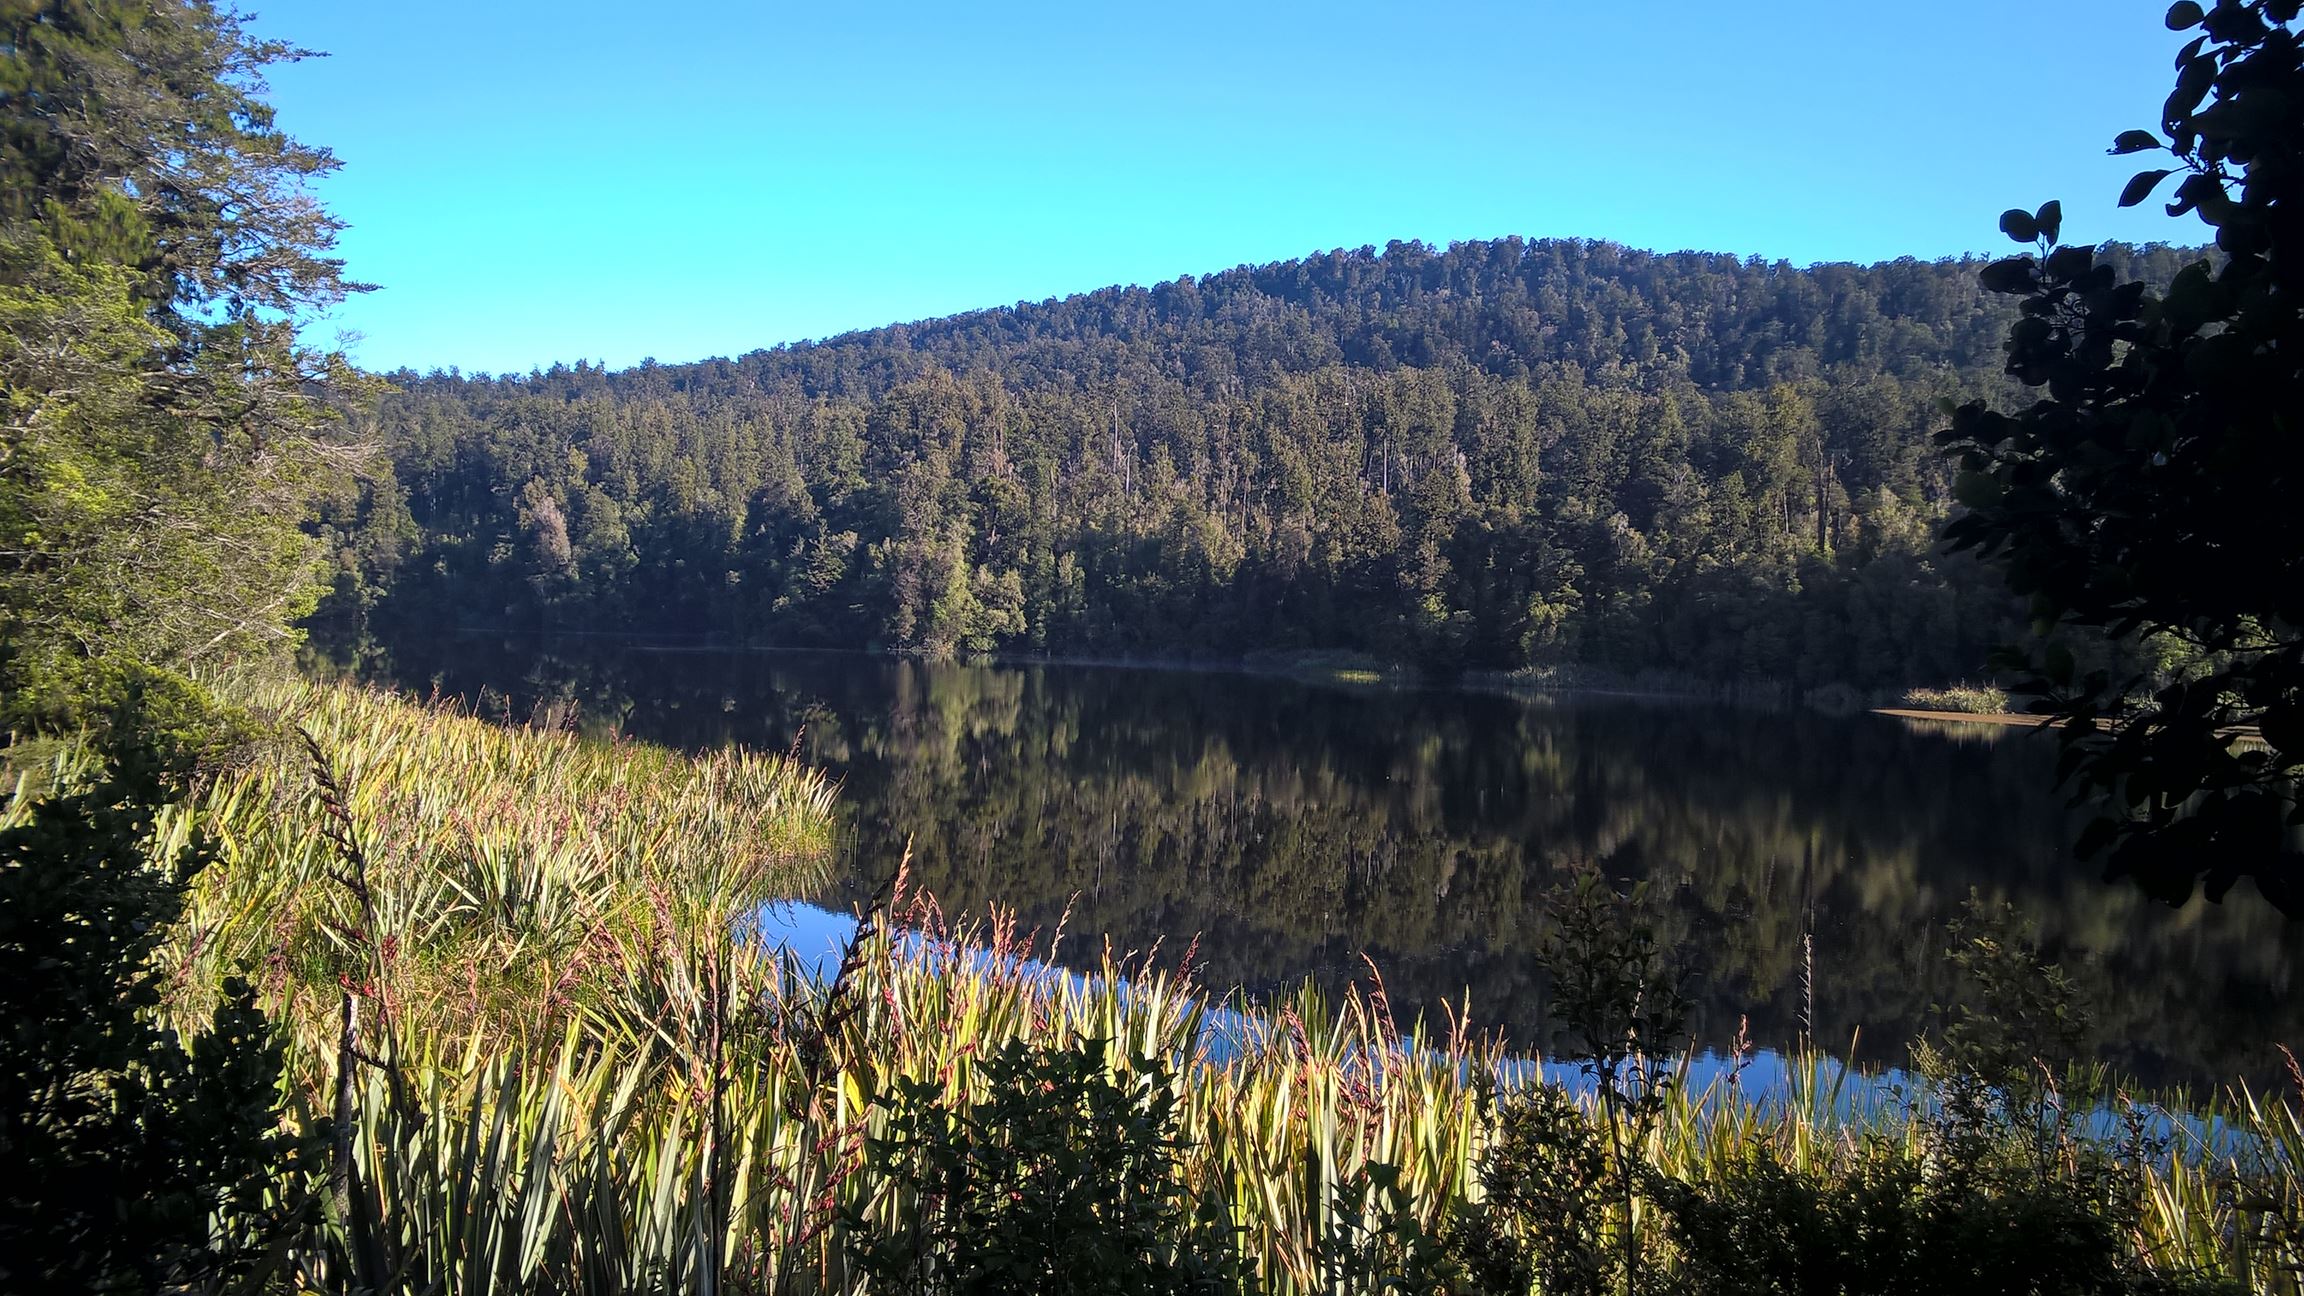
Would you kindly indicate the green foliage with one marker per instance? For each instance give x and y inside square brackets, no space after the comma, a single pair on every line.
[2149,490]
[1998,1187]
[1064,1178]
[1890,1222]
[137,1159]
[2011,1043]
[1994,1186]
[152,149]
[1492,455]
[162,435]
[1548,1196]
[1617,998]
[1377,1240]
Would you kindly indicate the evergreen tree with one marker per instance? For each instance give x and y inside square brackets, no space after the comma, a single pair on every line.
[162,435]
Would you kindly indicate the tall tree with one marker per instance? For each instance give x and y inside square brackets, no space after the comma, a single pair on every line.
[2151,490]
[163,436]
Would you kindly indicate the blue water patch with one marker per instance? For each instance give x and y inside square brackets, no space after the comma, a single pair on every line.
[815,938]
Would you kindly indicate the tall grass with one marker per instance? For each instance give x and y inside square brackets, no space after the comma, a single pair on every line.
[1967,699]
[560,1064]
[508,870]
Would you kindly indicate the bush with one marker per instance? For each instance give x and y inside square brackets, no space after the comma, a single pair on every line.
[135,1161]
[1543,1221]
[1893,1222]
[1065,1178]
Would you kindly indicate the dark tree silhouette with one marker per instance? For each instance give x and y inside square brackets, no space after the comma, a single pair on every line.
[2150,490]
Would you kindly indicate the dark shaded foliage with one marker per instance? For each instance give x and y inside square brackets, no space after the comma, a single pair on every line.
[1065,1178]
[136,1159]
[1891,1223]
[2150,488]
[1992,1198]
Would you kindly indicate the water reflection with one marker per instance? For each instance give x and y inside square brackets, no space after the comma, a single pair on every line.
[1807,863]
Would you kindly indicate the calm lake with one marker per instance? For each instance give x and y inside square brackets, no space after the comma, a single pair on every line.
[1291,826]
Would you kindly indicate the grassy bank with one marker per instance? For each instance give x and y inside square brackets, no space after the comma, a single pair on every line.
[512,966]
[506,869]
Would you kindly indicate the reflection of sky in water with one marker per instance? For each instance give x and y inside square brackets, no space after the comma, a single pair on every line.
[815,938]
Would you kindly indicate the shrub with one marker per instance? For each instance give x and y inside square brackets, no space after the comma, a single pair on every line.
[1064,1178]
[135,1161]
[1887,1221]
[1547,1195]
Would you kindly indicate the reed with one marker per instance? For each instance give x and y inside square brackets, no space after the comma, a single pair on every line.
[609,1088]
[1968,699]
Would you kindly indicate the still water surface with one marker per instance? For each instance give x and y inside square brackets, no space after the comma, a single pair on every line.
[1799,859]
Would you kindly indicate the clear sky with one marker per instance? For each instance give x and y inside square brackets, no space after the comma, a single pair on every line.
[541,182]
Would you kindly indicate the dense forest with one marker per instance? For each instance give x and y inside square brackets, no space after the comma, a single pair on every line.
[1497,455]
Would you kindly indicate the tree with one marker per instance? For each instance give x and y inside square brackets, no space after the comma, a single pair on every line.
[162,439]
[2150,490]
[163,436]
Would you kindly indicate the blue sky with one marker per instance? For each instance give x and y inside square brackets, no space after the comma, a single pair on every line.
[533,182]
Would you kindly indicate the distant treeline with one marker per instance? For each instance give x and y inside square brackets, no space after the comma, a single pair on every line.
[1495,455]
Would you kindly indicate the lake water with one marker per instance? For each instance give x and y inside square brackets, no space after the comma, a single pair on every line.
[1799,861]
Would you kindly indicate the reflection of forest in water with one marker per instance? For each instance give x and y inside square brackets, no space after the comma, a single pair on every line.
[1292,826]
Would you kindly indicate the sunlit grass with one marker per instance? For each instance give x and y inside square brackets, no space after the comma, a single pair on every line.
[1965,699]
[504,863]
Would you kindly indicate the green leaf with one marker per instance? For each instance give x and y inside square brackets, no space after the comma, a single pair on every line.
[2134,141]
[2017,224]
[2183,14]
[2141,186]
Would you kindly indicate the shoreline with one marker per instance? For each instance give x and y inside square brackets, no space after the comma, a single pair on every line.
[2004,719]
[1755,695]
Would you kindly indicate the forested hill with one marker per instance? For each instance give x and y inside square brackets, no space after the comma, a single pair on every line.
[1500,454]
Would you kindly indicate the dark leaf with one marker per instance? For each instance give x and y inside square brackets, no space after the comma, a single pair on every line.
[2070,263]
[2059,664]
[1977,490]
[2184,14]
[2283,728]
[2018,224]
[2010,275]
[2134,141]
[2049,219]
[2140,186]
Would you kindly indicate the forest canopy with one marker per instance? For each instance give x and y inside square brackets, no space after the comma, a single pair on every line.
[1495,455]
